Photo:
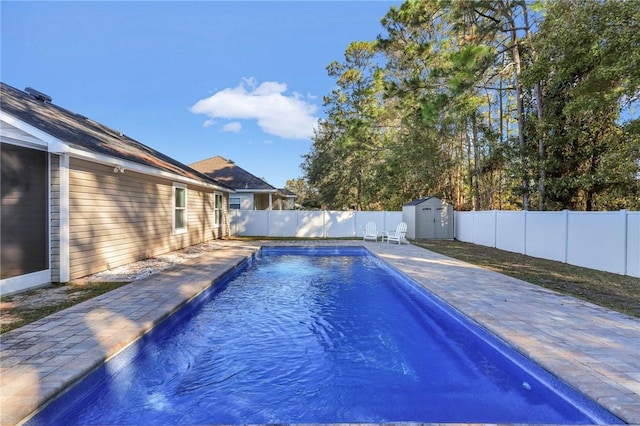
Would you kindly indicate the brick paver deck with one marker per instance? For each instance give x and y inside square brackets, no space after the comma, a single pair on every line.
[591,348]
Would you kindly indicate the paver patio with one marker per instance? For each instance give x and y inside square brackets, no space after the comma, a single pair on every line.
[593,349]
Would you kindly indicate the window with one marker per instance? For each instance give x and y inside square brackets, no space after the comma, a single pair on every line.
[234,203]
[179,208]
[217,210]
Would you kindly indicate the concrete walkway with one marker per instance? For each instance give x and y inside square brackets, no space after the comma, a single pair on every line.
[591,348]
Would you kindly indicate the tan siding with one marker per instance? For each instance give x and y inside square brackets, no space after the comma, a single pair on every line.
[117,218]
[200,215]
[54,213]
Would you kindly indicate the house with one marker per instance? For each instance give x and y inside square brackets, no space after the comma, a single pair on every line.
[79,197]
[251,192]
[288,199]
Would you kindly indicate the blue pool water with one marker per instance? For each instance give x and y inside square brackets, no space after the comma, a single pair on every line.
[319,336]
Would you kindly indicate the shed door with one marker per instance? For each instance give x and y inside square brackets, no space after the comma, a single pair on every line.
[24,238]
[426,220]
[441,223]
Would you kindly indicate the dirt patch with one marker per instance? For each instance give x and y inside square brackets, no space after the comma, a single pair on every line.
[37,298]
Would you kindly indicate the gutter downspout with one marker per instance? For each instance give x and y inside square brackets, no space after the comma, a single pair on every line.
[64,218]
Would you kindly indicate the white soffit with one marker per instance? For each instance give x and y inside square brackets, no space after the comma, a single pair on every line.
[16,130]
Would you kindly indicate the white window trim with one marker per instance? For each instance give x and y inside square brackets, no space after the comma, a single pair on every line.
[215,216]
[178,231]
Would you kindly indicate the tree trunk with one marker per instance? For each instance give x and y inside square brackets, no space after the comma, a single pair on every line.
[470,169]
[476,160]
[520,115]
[541,135]
[541,150]
[517,67]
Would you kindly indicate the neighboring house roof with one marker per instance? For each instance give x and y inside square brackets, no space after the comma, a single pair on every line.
[227,172]
[287,193]
[77,131]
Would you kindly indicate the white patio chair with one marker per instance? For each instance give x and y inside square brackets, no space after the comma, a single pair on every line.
[397,235]
[370,232]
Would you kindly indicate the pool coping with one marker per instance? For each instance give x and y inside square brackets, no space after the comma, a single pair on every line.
[589,347]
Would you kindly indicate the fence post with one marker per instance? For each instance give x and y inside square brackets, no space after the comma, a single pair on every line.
[524,232]
[473,227]
[324,224]
[384,221]
[566,235]
[268,222]
[625,227]
[495,228]
[297,223]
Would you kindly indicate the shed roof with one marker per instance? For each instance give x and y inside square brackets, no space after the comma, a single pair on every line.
[232,175]
[81,132]
[419,201]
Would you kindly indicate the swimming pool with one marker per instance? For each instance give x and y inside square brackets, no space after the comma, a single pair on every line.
[319,335]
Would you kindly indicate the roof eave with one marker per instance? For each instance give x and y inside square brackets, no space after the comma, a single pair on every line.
[40,139]
[260,191]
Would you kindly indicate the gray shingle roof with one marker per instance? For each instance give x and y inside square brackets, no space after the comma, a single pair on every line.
[81,132]
[418,201]
[230,174]
[287,193]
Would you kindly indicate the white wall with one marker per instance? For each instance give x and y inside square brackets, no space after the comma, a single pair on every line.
[246,200]
[606,241]
[546,235]
[309,224]
[597,240]
[484,228]
[509,231]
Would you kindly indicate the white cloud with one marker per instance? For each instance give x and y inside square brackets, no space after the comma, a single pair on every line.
[208,123]
[234,126]
[289,117]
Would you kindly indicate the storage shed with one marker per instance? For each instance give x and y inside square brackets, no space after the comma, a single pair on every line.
[428,218]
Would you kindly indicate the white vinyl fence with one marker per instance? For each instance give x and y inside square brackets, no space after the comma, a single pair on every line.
[309,224]
[606,241]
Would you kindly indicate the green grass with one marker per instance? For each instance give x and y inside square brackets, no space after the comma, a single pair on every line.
[618,292]
[78,293]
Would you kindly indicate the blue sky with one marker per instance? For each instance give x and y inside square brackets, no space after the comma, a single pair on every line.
[240,79]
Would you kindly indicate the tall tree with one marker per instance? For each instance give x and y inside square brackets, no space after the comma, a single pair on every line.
[348,144]
[419,39]
[488,104]
[308,196]
[589,73]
